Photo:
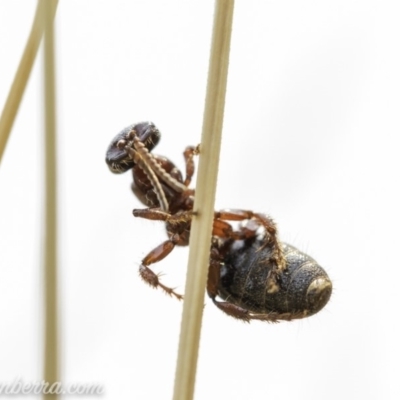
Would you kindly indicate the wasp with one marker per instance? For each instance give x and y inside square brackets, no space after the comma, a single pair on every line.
[252,274]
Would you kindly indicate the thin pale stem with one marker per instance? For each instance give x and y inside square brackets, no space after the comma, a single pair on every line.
[51,345]
[200,237]
[21,77]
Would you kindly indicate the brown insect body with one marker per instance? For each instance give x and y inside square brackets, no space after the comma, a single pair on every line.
[256,275]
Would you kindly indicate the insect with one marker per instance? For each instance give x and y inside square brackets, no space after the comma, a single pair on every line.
[256,276]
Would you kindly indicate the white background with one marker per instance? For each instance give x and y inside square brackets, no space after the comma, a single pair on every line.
[310,137]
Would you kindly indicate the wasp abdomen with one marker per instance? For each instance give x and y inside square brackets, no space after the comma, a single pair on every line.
[304,287]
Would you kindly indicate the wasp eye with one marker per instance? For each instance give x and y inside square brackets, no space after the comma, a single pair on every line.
[318,293]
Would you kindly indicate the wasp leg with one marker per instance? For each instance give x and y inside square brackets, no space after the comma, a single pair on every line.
[154,256]
[249,230]
[189,154]
[161,251]
[244,315]
[156,214]
[256,220]
[212,290]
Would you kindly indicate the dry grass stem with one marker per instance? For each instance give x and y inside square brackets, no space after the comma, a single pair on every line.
[21,77]
[200,237]
[51,345]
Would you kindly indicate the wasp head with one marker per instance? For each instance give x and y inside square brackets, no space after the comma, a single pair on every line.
[117,156]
